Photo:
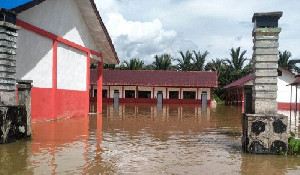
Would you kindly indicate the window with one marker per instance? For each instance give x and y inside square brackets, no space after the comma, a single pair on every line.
[189,94]
[173,95]
[94,93]
[129,94]
[144,94]
[279,73]
[104,93]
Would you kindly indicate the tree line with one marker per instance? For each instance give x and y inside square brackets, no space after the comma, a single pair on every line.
[228,69]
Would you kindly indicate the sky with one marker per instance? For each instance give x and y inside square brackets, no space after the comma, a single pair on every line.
[8,4]
[143,28]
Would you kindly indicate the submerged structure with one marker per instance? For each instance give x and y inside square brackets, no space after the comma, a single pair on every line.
[264,130]
[57,43]
[153,86]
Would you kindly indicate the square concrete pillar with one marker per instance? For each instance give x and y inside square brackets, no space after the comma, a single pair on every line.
[265,131]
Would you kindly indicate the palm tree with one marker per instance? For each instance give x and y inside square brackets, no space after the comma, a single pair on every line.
[199,60]
[163,62]
[285,61]
[109,66]
[133,64]
[237,59]
[184,63]
[214,65]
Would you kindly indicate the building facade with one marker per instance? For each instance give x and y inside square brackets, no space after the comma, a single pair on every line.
[149,86]
[57,43]
[286,95]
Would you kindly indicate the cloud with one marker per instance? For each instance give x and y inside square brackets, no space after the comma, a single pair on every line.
[143,28]
[140,39]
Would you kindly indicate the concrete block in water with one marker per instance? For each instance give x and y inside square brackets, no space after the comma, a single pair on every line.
[13,123]
[265,134]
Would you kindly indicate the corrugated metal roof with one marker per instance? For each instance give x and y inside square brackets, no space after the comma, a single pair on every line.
[239,82]
[157,78]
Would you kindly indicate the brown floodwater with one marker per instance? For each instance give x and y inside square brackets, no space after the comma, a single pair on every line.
[143,139]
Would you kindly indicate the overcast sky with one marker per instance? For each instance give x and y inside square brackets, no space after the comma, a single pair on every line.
[144,28]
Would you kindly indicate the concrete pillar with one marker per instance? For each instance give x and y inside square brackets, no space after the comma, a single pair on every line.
[8,45]
[24,98]
[265,131]
[13,118]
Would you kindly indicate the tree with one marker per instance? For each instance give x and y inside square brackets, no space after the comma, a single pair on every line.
[285,61]
[162,62]
[133,64]
[109,66]
[199,60]
[184,63]
[237,59]
[214,65]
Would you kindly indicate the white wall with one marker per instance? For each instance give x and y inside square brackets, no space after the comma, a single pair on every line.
[62,18]
[284,91]
[34,59]
[71,68]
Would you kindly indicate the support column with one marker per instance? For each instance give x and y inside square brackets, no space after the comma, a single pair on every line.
[87,100]
[54,78]
[265,131]
[99,87]
[24,98]
[13,118]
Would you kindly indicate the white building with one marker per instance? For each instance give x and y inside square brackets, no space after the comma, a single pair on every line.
[57,42]
[285,93]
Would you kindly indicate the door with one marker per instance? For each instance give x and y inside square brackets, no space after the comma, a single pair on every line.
[159,98]
[204,100]
[116,97]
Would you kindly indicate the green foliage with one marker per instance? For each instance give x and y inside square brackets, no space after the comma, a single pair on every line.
[133,64]
[294,145]
[218,100]
[237,60]
[199,60]
[162,62]
[109,66]
[285,61]
[184,63]
[229,70]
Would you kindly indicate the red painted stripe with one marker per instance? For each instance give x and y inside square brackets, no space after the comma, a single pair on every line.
[50,35]
[286,106]
[40,100]
[54,78]
[99,88]
[17,96]
[70,103]
[88,64]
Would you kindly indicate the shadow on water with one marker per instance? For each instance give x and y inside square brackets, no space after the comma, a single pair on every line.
[142,139]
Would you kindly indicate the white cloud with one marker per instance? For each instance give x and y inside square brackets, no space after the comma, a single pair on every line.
[137,39]
[143,28]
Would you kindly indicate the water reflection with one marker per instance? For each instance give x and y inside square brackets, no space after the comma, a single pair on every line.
[142,139]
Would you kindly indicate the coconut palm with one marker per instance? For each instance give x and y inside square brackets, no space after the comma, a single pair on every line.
[285,61]
[214,65]
[133,64]
[162,62]
[184,63]
[199,60]
[237,60]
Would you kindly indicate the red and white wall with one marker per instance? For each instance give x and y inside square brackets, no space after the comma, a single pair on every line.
[154,91]
[54,50]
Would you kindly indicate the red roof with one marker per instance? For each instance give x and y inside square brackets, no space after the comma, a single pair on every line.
[157,78]
[239,82]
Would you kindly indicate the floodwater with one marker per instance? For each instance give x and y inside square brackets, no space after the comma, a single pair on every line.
[143,139]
